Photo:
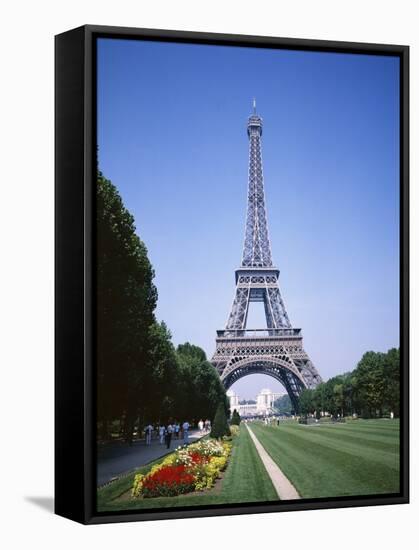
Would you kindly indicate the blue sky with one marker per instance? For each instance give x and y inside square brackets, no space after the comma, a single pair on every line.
[172,138]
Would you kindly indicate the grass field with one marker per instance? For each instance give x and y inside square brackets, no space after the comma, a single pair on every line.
[245,480]
[357,458]
[325,460]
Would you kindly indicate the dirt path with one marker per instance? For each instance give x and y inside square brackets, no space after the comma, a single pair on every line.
[285,489]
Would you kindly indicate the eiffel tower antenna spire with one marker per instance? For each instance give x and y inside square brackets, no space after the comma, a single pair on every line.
[257,249]
[276,350]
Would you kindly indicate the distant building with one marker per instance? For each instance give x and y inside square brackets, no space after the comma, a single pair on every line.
[233,398]
[247,409]
[264,403]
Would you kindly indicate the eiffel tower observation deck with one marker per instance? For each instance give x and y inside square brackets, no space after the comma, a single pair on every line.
[277,349]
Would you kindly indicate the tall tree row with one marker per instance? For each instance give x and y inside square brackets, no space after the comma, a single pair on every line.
[126,298]
[141,377]
[371,389]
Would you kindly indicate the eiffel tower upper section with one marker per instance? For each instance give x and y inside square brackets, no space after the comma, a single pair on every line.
[257,248]
[257,278]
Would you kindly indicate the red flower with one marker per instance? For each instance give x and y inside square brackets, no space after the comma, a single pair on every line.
[168,481]
[197,458]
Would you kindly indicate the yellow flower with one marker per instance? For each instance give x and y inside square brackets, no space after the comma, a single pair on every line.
[137,486]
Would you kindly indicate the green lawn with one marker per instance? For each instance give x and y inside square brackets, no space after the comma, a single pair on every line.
[357,458]
[245,480]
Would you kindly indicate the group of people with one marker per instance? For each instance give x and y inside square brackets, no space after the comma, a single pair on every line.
[174,430]
[166,433]
[204,426]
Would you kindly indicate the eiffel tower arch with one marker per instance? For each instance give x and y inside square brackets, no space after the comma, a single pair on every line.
[276,350]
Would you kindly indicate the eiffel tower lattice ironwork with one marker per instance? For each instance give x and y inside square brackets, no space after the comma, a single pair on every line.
[276,350]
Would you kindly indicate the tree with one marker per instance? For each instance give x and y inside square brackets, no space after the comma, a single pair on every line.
[372,388]
[283,404]
[307,401]
[235,418]
[158,397]
[191,352]
[338,398]
[200,388]
[126,298]
[391,369]
[319,399]
[371,383]
[219,426]
[141,377]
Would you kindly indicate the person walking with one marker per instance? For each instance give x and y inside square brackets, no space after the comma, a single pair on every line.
[177,430]
[201,426]
[148,430]
[168,435]
[162,429]
[185,428]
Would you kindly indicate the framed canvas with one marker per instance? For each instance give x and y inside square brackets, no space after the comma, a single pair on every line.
[231,329]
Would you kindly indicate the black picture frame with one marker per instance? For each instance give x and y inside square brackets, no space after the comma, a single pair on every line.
[75,153]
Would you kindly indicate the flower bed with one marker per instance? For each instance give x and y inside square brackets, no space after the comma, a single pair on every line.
[168,481]
[190,468]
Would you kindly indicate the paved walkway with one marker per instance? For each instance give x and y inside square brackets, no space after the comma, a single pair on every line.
[285,490]
[117,459]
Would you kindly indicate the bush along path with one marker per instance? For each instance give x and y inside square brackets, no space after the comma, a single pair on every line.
[285,489]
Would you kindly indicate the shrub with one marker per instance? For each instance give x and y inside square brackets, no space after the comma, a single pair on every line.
[235,418]
[220,426]
[234,429]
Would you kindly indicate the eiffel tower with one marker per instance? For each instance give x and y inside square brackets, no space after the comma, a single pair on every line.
[276,350]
